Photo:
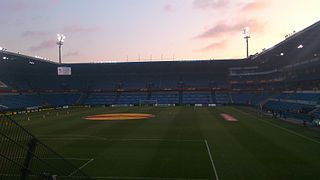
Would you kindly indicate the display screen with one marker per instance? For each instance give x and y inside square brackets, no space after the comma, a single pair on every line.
[64,71]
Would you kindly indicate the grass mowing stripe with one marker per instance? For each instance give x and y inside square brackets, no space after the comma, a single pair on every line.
[211,159]
[279,127]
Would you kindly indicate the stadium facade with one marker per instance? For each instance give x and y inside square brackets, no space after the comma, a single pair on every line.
[283,78]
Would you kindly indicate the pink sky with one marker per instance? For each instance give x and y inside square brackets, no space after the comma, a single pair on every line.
[117,30]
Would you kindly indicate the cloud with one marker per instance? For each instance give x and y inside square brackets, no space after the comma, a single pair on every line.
[216,46]
[255,5]
[35,34]
[222,28]
[80,29]
[71,54]
[210,4]
[169,8]
[47,44]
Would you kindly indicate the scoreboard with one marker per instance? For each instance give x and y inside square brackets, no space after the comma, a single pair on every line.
[64,71]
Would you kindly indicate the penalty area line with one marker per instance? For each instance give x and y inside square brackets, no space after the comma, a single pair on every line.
[211,159]
[84,165]
[280,127]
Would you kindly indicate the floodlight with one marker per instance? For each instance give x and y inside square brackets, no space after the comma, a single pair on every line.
[246,32]
[60,42]
[60,39]
[246,36]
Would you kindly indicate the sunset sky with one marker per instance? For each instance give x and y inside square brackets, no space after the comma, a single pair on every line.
[117,30]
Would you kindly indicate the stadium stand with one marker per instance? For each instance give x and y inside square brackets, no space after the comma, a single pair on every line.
[197,98]
[223,98]
[18,101]
[165,97]
[101,99]
[286,76]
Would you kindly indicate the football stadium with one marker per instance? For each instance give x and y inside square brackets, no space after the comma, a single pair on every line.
[247,118]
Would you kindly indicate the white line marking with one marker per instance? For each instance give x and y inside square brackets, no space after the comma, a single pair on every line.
[167,140]
[10,175]
[211,159]
[115,139]
[84,165]
[280,127]
[292,132]
[77,159]
[112,177]
[151,178]
[74,136]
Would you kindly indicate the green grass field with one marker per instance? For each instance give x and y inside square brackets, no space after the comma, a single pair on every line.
[181,143]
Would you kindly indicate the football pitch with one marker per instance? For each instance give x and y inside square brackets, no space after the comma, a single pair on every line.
[180,143]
